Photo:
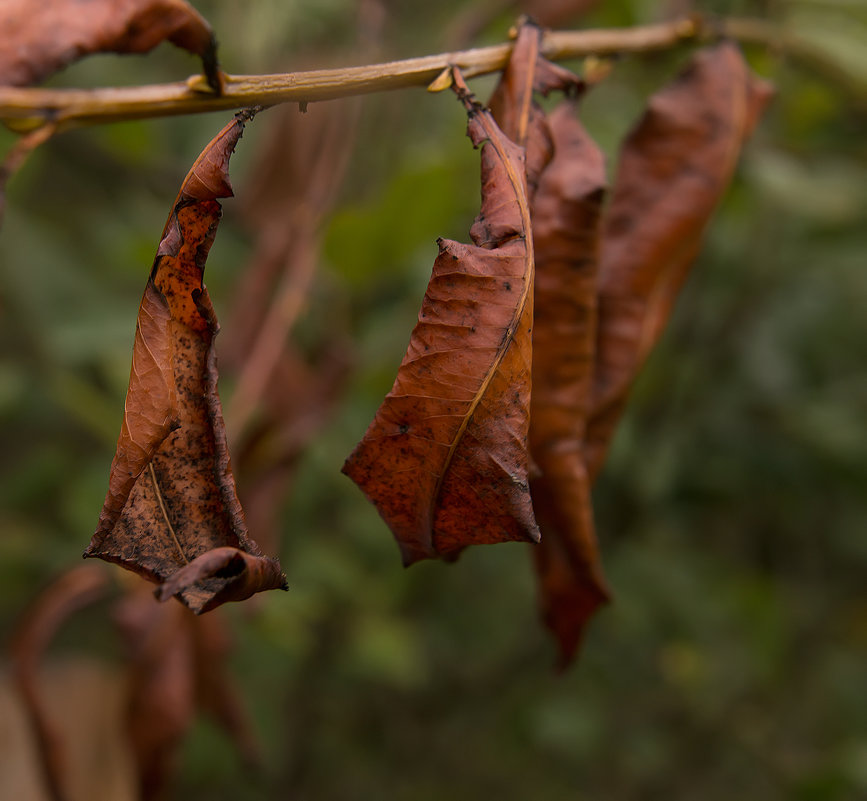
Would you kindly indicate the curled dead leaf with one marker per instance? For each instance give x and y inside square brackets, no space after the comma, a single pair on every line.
[445,459]
[221,575]
[513,104]
[171,495]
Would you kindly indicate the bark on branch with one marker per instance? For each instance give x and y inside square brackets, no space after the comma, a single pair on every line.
[28,108]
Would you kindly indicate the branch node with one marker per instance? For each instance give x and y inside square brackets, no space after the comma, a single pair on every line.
[443,81]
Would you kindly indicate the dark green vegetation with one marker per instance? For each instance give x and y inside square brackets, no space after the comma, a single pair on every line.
[732,511]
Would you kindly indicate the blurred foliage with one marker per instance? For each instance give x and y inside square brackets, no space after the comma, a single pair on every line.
[732,510]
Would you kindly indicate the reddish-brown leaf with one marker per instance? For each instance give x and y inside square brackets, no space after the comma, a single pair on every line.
[445,459]
[171,495]
[566,176]
[674,168]
[40,38]
[567,211]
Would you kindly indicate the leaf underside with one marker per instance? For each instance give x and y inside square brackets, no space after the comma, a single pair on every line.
[171,496]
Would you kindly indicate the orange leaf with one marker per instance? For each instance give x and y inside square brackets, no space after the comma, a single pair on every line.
[445,459]
[674,168]
[171,495]
[40,38]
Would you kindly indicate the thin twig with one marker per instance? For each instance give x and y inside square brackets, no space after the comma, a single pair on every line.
[23,109]
[789,42]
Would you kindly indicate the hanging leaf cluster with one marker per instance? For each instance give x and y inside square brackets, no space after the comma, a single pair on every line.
[529,339]
[527,343]
[516,373]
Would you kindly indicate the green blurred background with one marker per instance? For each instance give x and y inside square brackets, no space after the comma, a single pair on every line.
[732,511]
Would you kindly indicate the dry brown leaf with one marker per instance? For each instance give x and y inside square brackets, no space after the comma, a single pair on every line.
[674,168]
[171,494]
[40,38]
[445,459]
[567,211]
[566,176]
[176,665]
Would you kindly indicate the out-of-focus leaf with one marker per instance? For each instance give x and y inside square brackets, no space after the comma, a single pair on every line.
[284,395]
[41,38]
[176,665]
[674,168]
[555,13]
[86,697]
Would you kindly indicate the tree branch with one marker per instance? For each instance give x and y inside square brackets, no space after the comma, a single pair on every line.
[23,109]
[26,109]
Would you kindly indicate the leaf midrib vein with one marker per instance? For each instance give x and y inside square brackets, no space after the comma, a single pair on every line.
[165,512]
[517,184]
